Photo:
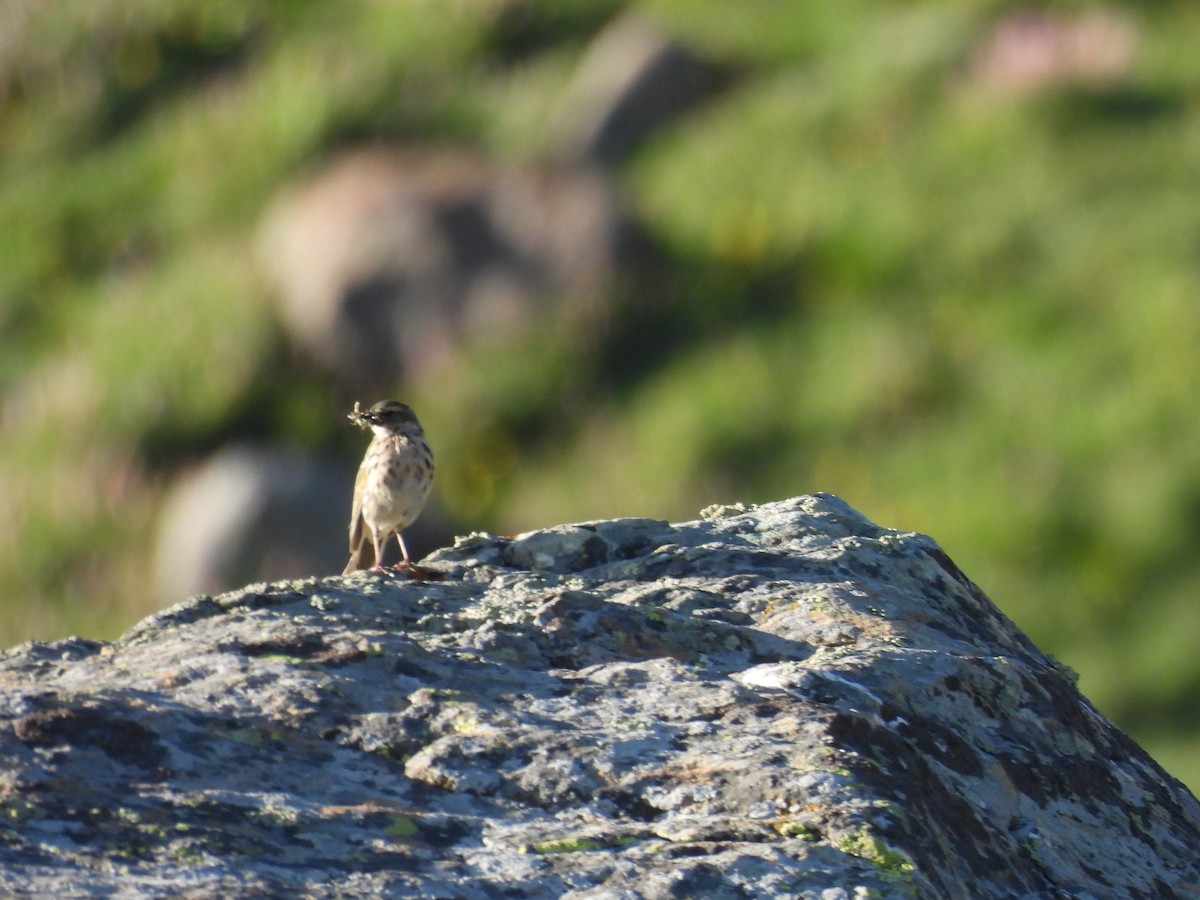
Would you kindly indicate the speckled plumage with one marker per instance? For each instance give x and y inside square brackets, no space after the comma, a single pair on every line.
[393,483]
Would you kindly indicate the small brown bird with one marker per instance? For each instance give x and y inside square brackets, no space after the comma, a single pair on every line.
[392,485]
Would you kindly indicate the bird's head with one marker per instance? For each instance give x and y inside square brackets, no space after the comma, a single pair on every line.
[388,415]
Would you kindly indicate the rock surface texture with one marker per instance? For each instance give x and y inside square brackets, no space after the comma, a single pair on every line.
[784,700]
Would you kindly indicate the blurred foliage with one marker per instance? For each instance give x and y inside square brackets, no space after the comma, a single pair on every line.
[968,309]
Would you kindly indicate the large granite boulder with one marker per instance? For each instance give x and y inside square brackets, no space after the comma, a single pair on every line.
[632,81]
[784,700]
[387,263]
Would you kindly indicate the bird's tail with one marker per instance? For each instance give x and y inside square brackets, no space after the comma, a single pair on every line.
[362,555]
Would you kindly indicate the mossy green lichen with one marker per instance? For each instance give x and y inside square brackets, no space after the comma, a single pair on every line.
[792,828]
[403,827]
[187,853]
[565,845]
[892,863]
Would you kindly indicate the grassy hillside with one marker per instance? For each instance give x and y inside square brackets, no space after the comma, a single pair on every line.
[968,306]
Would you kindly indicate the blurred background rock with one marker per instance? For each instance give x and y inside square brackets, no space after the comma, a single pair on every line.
[941,259]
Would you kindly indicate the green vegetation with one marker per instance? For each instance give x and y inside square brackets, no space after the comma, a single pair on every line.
[403,827]
[867,846]
[566,845]
[789,828]
[968,310]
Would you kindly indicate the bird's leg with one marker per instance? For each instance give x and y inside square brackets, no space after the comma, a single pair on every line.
[378,540]
[405,563]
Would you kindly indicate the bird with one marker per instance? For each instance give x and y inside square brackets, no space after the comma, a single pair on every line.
[392,485]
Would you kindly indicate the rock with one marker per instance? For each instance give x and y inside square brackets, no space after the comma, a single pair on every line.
[781,700]
[254,513]
[387,263]
[631,81]
[1034,49]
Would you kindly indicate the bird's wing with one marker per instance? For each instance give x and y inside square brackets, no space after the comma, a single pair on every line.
[362,556]
[362,548]
[357,526]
